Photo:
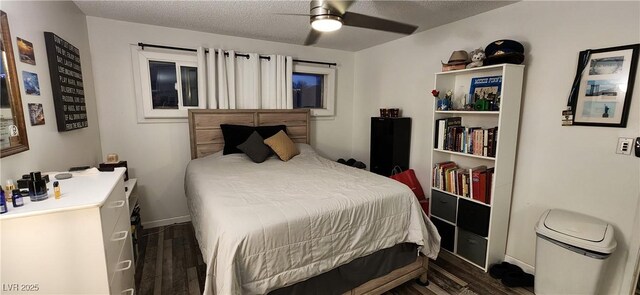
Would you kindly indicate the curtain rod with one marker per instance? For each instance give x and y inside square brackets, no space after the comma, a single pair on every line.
[143,45]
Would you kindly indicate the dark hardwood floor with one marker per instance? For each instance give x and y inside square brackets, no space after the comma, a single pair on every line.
[170,262]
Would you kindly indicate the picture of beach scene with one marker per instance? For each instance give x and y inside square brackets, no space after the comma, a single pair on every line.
[599,109]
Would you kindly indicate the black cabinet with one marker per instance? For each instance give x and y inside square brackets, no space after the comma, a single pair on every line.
[474,217]
[447,233]
[390,143]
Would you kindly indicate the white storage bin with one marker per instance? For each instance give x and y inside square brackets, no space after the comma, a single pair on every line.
[571,252]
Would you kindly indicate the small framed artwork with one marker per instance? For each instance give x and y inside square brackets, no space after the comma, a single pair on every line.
[36,114]
[606,86]
[31,83]
[25,48]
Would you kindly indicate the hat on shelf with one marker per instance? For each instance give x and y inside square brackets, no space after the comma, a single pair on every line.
[504,51]
[458,57]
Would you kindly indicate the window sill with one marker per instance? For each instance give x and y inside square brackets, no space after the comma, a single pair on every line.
[322,113]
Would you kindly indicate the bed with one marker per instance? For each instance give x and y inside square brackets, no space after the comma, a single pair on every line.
[292,227]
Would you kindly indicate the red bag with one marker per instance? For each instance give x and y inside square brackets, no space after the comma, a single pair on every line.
[409,178]
[425,206]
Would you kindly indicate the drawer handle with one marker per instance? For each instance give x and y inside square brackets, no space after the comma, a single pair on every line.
[443,201]
[127,262]
[124,234]
[117,204]
[473,242]
[129,291]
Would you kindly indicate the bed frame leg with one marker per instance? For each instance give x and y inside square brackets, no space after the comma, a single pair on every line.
[422,280]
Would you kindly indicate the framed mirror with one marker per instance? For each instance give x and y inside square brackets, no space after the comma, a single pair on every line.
[13,132]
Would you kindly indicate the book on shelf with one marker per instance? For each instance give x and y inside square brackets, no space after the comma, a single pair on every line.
[467,140]
[481,178]
[442,126]
[490,178]
[474,183]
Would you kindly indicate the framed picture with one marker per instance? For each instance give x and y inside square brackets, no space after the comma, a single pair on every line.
[31,84]
[606,86]
[486,89]
[36,114]
[25,48]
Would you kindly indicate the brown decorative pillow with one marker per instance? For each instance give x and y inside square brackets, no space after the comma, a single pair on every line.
[282,145]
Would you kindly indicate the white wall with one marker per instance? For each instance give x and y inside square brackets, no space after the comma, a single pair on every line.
[50,150]
[157,154]
[574,168]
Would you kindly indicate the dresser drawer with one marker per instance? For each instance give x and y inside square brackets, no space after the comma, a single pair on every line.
[121,237]
[111,209]
[443,205]
[123,276]
[472,247]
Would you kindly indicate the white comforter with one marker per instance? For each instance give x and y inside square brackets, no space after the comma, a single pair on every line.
[265,226]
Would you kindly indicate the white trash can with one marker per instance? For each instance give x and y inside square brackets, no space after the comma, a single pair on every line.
[571,252]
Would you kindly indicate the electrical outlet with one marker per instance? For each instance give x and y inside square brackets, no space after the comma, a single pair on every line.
[625,145]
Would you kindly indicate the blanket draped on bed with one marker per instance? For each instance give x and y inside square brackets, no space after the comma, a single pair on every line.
[263,226]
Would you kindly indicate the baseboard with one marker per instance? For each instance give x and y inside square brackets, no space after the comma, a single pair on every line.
[167,221]
[527,268]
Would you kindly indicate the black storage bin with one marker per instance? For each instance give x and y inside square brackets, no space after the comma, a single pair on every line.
[447,233]
[443,205]
[390,143]
[473,217]
[472,247]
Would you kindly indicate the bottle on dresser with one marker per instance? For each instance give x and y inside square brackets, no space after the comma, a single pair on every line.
[37,187]
[8,189]
[17,198]
[3,203]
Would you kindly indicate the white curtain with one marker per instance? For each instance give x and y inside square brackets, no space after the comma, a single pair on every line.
[226,79]
[248,82]
[210,78]
[202,72]
[238,82]
[276,82]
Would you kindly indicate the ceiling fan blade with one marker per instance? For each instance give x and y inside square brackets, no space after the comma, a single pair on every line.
[296,14]
[370,22]
[340,5]
[312,38]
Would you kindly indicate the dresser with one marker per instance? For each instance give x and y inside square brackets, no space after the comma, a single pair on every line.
[78,244]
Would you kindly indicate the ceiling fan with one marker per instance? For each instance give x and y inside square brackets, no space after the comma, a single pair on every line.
[331,15]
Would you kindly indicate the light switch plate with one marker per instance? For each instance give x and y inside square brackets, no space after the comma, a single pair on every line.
[625,146]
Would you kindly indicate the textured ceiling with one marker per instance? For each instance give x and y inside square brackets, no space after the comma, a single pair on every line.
[258,19]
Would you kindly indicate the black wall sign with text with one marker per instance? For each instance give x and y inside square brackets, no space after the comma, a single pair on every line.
[66,83]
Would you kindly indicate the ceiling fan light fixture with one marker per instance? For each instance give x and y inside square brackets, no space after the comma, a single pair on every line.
[326,23]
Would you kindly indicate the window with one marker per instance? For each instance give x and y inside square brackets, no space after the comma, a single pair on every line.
[314,88]
[166,85]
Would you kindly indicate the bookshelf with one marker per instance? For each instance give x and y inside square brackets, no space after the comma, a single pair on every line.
[475,229]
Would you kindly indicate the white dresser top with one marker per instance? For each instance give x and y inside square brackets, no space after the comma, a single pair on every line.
[83,190]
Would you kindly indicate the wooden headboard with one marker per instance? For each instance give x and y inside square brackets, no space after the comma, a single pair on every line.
[205,134]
